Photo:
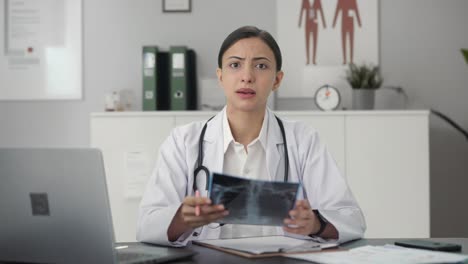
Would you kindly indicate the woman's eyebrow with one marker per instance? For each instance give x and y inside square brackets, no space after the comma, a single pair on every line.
[255,58]
[235,57]
[261,58]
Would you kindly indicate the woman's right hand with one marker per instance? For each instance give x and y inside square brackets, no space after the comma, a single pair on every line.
[186,218]
[208,213]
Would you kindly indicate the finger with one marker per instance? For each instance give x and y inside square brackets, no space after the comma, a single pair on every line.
[208,209]
[188,210]
[203,222]
[304,214]
[193,219]
[303,203]
[301,213]
[304,223]
[289,221]
[196,224]
[204,219]
[216,216]
[193,201]
[300,231]
[293,213]
[205,209]
[298,223]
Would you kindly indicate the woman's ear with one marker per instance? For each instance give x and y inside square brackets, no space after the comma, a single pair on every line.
[219,74]
[278,79]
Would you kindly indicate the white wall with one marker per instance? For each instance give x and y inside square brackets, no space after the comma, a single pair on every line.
[420,50]
[114,31]
[420,42]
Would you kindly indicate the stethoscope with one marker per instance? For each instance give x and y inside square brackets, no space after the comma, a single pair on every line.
[200,166]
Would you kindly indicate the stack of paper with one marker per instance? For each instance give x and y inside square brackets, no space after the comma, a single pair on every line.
[388,254]
[268,244]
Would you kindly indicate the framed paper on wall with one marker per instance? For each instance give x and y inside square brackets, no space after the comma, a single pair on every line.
[41,50]
[319,38]
[177,5]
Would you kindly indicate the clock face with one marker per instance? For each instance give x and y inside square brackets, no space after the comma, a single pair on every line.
[327,98]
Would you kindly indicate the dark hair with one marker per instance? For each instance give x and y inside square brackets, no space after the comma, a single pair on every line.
[250,32]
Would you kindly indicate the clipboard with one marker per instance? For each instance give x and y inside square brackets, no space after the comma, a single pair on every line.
[324,248]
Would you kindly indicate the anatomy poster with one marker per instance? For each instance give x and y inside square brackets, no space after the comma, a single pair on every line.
[319,38]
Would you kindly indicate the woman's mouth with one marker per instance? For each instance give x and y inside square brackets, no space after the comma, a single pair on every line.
[245,93]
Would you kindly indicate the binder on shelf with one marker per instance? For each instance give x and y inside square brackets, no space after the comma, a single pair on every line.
[183,89]
[149,77]
[155,79]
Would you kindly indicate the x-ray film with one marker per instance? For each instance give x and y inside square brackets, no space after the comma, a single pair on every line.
[253,202]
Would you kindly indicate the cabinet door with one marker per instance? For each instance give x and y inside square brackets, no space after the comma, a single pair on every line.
[130,148]
[331,133]
[388,171]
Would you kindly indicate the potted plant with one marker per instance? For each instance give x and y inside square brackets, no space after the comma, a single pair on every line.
[364,79]
[465,54]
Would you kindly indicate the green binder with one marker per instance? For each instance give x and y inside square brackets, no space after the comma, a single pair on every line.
[183,95]
[150,78]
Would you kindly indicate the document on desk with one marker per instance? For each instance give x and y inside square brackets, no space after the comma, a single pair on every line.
[268,244]
[253,202]
[388,254]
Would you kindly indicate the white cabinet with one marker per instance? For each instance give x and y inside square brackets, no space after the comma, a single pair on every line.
[387,159]
[330,128]
[383,154]
[121,137]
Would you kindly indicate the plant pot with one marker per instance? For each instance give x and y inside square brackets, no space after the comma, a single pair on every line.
[363,99]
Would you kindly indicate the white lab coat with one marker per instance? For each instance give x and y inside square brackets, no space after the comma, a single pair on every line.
[310,164]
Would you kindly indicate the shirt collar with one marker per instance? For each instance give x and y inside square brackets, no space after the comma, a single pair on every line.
[228,138]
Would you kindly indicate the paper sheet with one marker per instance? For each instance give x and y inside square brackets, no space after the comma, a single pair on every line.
[138,169]
[269,244]
[388,254]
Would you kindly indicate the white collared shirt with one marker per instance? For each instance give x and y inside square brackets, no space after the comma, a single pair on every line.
[250,164]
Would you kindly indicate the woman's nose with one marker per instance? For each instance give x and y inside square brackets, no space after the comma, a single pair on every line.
[247,75]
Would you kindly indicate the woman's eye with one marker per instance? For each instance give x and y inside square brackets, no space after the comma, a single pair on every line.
[262,66]
[234,65]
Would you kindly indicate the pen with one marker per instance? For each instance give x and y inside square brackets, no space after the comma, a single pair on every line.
[197,207]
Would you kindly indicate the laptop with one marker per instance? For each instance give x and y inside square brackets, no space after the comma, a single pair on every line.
[54,208]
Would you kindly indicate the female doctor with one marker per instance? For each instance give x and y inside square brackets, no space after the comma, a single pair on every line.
[246,139]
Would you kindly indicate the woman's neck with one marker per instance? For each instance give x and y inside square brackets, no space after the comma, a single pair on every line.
[245,126]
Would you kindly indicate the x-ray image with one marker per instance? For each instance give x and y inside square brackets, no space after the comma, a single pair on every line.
[253,202]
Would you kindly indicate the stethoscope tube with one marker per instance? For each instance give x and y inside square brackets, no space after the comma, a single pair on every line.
[286,156]
[200,166]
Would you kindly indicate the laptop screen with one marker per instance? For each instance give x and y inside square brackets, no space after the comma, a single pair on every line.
[54,206]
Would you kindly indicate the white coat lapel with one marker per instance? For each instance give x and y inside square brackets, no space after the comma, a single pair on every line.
[213,144]
[274,151]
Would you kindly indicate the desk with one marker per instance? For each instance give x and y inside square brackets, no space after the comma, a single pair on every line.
[211,256]
[208,256]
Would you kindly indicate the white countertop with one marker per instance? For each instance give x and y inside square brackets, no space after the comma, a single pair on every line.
[299,113]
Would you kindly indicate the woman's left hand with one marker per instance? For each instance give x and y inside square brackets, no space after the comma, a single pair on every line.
[302,221]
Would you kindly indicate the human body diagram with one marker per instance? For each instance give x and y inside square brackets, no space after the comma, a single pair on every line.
[349,11]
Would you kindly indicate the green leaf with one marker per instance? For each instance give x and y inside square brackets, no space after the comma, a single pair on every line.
[465,54]
[363,76]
